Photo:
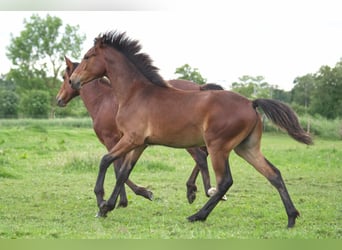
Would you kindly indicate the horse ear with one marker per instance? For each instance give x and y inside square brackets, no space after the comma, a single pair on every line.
[68,62]
[99,42]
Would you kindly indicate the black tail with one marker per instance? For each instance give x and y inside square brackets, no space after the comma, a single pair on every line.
[284,117]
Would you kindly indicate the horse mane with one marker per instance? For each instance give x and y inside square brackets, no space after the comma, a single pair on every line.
[131,49]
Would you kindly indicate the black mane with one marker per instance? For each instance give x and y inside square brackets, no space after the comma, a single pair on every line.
[131,49]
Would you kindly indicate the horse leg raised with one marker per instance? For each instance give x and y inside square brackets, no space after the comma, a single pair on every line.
[250,151]
[138,190]
[224,181]
[200,158]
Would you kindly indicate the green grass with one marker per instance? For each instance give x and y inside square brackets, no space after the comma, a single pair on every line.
[48,171]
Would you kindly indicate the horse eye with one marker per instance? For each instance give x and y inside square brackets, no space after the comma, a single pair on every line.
[86,57]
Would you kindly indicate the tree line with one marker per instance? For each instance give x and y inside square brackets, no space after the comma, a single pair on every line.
[317,93]
[36,54]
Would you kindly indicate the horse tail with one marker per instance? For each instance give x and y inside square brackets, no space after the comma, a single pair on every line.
[284,117]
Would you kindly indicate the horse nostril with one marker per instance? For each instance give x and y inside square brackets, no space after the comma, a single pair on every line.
[60,102]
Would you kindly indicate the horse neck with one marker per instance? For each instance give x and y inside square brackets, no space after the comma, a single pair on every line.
[94,96]
[125,78]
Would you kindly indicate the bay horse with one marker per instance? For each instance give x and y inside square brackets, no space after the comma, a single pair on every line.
[102,107]
[149,114]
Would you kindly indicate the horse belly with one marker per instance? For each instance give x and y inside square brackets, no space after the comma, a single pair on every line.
[183,137]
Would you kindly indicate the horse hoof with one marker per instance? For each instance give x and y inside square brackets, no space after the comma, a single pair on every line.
[212,191]
[192,218]
[191,197]
[196,217]
[100,215]
[103,210]
[150,196]
[292,220]
[123,204]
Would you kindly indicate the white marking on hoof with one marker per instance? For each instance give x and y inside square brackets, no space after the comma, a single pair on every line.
[212,191]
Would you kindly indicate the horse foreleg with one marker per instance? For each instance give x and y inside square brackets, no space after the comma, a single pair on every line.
[123,202]
[224,181]
[130,160]
[99,189]
[200,158]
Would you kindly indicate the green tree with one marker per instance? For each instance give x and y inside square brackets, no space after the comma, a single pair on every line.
[302,91]
[9,103]
[185,72]
[36,104]
[9,100]
[281,95]
[327,93]
[37,54]
[253,87]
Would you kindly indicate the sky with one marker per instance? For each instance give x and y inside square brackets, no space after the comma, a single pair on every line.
[224,40]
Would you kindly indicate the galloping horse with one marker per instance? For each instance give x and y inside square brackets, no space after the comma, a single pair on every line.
[102,107]
[152,112]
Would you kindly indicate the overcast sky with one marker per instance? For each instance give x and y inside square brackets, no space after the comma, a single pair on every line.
[279,40]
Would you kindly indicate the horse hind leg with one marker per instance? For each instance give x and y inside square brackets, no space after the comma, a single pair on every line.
[224,181]
[138,190]
[250,151]
[200,158]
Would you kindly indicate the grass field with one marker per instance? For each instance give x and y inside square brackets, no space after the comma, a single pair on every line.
[48,171]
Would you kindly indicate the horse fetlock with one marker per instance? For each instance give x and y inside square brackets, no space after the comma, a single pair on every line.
[123,203]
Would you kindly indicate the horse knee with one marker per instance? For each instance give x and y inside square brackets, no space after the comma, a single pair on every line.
[106,161]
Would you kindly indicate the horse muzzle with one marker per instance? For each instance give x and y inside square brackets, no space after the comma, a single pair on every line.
[60,102]
[75,84]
